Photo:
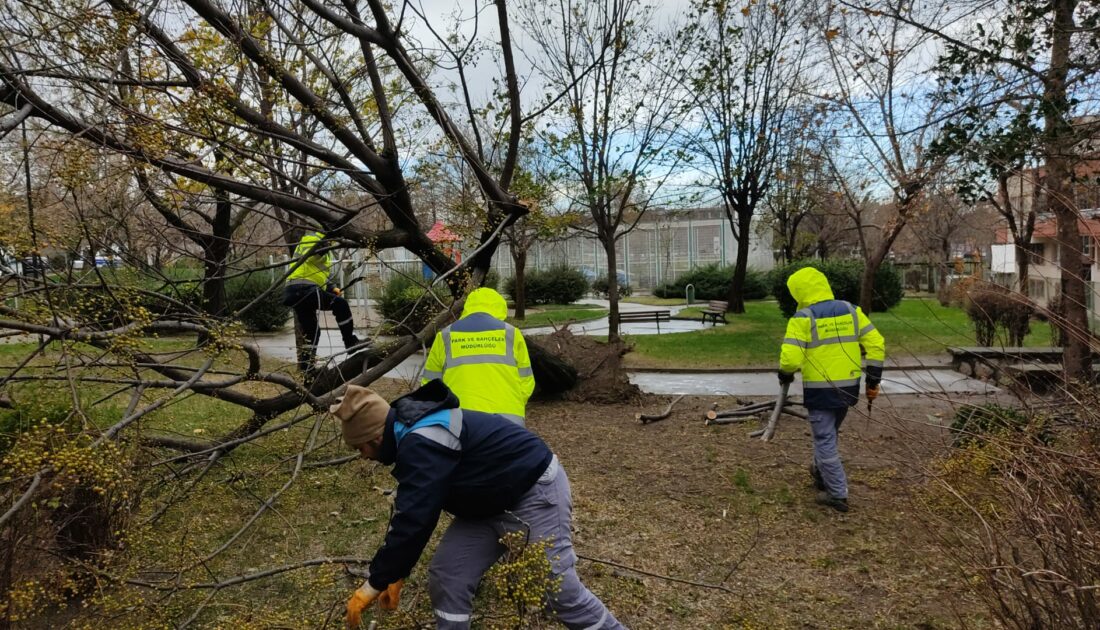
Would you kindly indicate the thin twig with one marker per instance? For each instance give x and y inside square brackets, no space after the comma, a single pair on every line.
[716,587]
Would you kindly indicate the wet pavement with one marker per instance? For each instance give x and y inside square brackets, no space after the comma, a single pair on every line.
[764,383]
[759,383]
[925,377]
[281,348]
[281,345]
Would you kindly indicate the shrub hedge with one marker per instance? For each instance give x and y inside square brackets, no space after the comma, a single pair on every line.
[712,282]
[492,280]
[599,287]
[264,316]
[844,278]
[406,305]
[559,285]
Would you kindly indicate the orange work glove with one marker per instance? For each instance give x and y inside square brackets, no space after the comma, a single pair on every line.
[872,393]
[338,291]
[359,600]
[391,597]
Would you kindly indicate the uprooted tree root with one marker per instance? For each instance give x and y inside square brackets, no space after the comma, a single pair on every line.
[600,374]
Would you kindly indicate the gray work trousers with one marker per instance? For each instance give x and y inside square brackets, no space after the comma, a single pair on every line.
[470,546]
[824,424]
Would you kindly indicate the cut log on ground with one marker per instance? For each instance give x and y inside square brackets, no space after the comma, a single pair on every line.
[752,409]
[733,420]
[647,418]
[732,417]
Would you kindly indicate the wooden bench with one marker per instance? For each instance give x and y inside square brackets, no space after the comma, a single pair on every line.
[714,310]
[967,359]
[645,316]
[1015,363]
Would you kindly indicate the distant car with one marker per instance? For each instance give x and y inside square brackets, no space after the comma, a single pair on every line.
[590,275]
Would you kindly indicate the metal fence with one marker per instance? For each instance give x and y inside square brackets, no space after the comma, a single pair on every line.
[648,256]
[651,254]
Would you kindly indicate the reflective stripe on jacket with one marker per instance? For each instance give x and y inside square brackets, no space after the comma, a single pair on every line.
[823,340]
[313,269]
[484,360]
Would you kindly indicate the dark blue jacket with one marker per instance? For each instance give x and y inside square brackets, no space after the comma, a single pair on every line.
[469,463]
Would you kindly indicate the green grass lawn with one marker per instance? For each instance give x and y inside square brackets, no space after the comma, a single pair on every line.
[916,327]
[546,314]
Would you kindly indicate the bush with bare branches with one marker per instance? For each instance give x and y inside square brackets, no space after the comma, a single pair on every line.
[1021,519]
[990,307]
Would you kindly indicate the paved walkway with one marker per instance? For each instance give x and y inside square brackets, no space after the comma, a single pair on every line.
[911,375]
[913,380]
[764,383]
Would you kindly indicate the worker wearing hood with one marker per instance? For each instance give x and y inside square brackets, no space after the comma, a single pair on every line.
[484,360]
[823,341]
[309,289]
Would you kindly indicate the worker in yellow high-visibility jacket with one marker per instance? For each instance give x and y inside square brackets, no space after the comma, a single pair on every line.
[484,360]
[823,341]
[308,290]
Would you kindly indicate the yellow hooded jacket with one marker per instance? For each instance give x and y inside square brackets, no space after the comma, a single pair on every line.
[823,340]
[484,360]
[315,268]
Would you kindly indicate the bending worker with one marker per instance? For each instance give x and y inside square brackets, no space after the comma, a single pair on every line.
[308,290]
[494,476]
[823,341]
[484,360]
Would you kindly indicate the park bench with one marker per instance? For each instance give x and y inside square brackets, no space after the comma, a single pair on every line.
[714,310]
[645,316]
[967,359]
[1024,366]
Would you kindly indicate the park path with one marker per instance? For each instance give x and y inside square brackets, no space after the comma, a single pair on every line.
[904,374]
[911,378]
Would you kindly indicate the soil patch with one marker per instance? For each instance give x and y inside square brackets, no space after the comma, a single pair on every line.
[711,504]
[600,375]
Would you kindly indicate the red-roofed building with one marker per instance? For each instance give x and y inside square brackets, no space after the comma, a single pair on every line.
[1044,272]
[1024,194]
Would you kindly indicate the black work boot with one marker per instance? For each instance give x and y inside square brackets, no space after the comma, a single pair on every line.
[838,504]
[815,474]
[350,341]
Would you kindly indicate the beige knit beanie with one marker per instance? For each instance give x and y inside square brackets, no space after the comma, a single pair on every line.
[362,415]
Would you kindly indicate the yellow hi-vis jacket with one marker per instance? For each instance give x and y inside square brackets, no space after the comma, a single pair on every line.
[313,269]
[483,360]
[823,340]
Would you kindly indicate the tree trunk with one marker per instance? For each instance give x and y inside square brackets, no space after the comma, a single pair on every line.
[1059,141]
[519,292]
[867,285]
[945,255]
[216,256]
[1023,264]
[736,294]
[612,291]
